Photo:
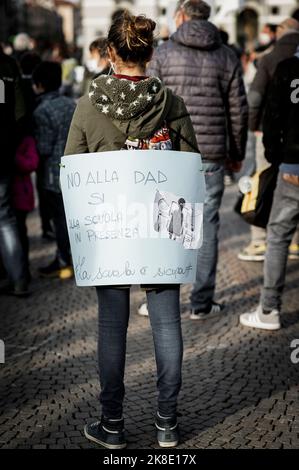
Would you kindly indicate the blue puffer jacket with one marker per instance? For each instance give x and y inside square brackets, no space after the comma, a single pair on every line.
[207,75]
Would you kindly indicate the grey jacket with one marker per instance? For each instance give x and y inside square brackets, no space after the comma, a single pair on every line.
[207,75]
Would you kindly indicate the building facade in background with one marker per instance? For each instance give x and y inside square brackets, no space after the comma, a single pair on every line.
[70,12]
[96,15]
[47,21]
[240,18]
[243,19]
[81,21]
[40,20]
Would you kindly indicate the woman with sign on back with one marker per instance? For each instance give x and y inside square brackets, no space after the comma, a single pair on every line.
[128,110]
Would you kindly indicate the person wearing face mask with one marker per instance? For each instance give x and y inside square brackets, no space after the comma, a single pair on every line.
[124,108]
[281,140]
[196,65]
[267,38]
[97,64]
[285,47]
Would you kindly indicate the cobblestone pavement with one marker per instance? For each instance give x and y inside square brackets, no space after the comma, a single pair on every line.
[240,387]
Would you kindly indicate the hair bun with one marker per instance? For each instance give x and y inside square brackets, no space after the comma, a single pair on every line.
[132,37]
[144,25]
[139,31]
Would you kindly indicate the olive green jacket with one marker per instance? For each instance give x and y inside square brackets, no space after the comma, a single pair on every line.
[116,109]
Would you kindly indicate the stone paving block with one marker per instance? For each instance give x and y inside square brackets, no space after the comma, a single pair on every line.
[240,389]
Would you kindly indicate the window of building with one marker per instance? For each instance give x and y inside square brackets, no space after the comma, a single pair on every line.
[275,10]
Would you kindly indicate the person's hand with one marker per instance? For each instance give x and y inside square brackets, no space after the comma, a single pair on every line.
[233,166]
[258,133]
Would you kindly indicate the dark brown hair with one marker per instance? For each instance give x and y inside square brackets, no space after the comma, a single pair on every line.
[100,45]
[132,37]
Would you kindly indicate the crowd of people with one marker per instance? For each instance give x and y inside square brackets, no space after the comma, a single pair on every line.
[215,99]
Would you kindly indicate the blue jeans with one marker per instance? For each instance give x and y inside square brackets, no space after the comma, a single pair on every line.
[165,319]
[57,214]
[204,287]
[10,246]
[284,219]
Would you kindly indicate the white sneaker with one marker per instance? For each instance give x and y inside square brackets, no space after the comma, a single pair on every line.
[257,319]
[142,310]
[253,252]
[215,310]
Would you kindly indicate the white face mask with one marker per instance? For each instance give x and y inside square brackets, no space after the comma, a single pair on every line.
[93,66]
[264,39]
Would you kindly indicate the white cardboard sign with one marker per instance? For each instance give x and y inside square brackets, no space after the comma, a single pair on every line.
[134,217]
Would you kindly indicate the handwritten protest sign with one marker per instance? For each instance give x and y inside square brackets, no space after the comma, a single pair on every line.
[134,217]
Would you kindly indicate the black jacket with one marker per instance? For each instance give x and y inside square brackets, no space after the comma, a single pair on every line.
[11,111]
[257,97]
[281,122]
[207,75]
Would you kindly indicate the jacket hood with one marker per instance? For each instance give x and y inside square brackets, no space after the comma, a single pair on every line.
[199,34]
[135,108]
[290,37]
[48,95]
